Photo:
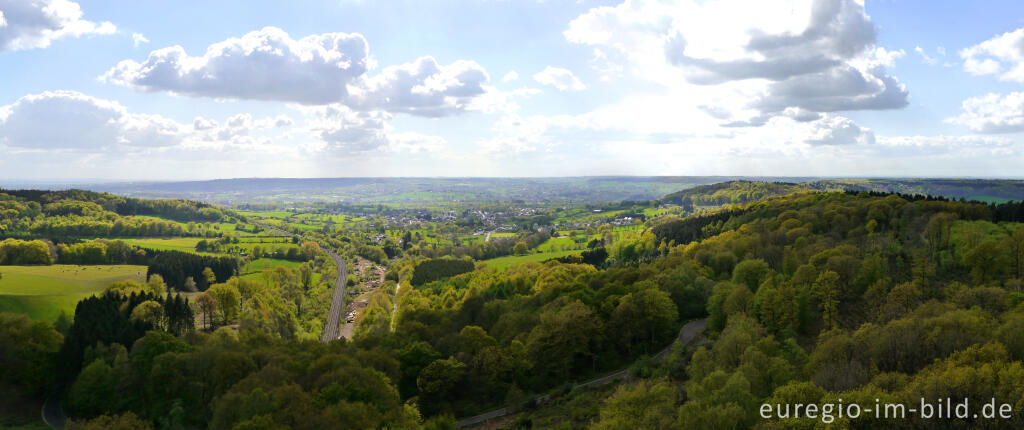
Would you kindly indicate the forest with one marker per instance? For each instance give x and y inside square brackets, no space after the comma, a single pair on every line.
[79,213]
[809,297]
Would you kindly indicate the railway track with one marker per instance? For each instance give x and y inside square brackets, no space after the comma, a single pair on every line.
[332,326]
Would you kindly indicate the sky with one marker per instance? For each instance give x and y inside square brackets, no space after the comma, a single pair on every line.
[158,90]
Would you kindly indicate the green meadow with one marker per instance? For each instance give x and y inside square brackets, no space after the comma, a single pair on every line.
[186,244]
[502,263]
[43,292]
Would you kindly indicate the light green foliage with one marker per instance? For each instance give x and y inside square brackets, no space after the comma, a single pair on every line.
[646,404]
[645,319]
[149,311]
[227,297]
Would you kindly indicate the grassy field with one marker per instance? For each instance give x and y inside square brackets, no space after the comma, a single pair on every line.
[43,291]
[557,243]
[502,263]
[186,244]
[266,214]
[260,264]
[254,270]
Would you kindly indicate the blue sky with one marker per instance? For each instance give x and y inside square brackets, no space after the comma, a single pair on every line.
[116,90]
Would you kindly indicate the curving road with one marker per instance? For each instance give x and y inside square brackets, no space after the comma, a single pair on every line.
[53,414]
[686,335]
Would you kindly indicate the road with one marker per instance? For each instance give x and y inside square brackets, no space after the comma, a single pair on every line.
[53,414]
[686,335]
[332,326]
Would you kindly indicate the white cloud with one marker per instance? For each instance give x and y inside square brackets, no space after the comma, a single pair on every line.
[344,131]
[885,57]
[757,58]
[837,130]
[272,122]
[242,120]
[924,56]
[138,39]
[992,113]
[951,146]
[1002,54]
[201,123]
[85,123]
[315,70]
[90,125]
[510,76]
[560,78]
[36,24]
[423,87]
[262,65]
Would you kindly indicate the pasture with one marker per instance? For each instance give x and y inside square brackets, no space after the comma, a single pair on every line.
[502,263]
[43,291]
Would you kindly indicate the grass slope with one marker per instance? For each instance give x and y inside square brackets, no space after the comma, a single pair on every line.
[502,263]
[43,291]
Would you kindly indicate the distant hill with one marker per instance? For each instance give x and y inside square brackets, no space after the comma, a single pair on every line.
[743,191]
[983,190]
[732,192]
[588,189]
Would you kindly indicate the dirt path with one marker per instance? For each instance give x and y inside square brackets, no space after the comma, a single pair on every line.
[361,267]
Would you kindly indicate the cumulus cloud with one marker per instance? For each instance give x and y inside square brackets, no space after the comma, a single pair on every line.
[90,125]
[346,131]
[837,31]
[36,24]
[1002,55]
[510,76]
[815,55]
[837,130]
[925,57]
[836,89]
[992,113]
[85,123]
[138,39]
[201,123]
[560,78]
[274,122]
[952,146]
[262,65]
[423,87]
[329,68]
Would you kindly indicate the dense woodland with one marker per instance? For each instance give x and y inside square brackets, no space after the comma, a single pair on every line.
[78,213]
[735,192]
[809,297]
